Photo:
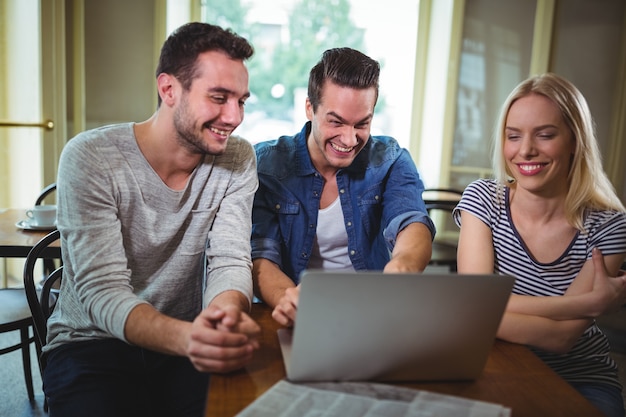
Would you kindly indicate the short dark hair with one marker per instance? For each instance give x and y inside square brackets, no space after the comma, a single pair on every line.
[182,47]
[345,67]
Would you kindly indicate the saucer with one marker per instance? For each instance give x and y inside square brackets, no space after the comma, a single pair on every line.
[27,225]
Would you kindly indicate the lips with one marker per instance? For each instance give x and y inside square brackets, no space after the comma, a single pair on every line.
[530,169]
[341,149]
[223,133]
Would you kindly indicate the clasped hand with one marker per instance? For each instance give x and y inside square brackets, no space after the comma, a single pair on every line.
[610,292]
[222,339]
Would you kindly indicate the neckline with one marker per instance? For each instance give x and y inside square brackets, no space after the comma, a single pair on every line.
[518,236]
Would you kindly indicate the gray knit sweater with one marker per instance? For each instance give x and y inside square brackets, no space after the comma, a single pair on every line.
[127,238]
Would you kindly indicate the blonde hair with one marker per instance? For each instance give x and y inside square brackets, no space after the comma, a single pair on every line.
[588,185]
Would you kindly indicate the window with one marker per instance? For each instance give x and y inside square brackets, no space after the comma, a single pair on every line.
[289,37]
[501,45]
[495,56]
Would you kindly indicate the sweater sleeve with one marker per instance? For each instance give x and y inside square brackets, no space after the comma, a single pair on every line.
[98,293]
[228,252]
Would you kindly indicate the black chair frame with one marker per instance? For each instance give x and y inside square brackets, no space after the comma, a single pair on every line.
[49,265]
[39,298]
[444,253]
[23,326]
[45,192]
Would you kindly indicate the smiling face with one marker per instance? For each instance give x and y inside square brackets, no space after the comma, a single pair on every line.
[538,146]
[340,127]
[212,108]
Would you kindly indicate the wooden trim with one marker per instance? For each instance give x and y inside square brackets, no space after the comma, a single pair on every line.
[78,54]
[616,163]
[54,84]
[419,80]
[449,119]
[542,36]
[5,166]
[195,10]
[160,34]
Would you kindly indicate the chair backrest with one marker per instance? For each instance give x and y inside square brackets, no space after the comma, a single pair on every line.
[41,300]
[445,244]
[441,198]
[45,192]
[49,265]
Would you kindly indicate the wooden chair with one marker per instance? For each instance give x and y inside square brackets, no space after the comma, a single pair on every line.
[49,265]
[41,300]
[42,297]
[45,193]
[15,315]
[442,199]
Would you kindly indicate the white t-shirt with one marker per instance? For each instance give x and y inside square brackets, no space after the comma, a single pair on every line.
[330,248]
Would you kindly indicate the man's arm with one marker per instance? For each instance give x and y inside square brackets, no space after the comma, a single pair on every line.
[222,338]
[276,289]
[412,250]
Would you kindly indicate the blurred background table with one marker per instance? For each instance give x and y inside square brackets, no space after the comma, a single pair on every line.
[16,242]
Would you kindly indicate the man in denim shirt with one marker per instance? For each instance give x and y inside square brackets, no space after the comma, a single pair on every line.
[332,196]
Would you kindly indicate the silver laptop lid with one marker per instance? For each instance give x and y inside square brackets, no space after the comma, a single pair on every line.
[394,327]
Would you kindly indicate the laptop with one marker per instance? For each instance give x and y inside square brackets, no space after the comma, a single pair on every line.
[370,326]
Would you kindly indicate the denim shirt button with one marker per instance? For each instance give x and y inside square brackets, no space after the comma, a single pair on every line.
[349,224]
[352,252]
[376,198]
[277,207]
[304,255]
[342,191]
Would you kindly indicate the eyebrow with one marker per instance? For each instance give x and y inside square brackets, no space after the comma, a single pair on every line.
[365,119]
[228,92]
[548,126]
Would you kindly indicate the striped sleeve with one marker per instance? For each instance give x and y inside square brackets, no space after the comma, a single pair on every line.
[481,198]
[607,232]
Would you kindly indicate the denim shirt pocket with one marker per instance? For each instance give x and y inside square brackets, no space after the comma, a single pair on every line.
[287,214]
[370,209]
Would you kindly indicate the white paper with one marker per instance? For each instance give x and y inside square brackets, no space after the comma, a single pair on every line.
[359,399]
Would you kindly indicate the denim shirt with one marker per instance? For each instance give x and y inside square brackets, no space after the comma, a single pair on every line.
[380,194]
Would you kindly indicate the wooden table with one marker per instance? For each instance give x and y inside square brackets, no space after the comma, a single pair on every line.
[15,242]
[513,377]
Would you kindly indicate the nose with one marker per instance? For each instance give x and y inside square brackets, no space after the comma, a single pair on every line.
[349,136]
[527,146]
[232,113]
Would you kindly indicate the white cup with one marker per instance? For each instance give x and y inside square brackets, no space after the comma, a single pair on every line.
[43,215]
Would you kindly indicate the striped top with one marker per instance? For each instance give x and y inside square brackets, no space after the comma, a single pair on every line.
[588,361]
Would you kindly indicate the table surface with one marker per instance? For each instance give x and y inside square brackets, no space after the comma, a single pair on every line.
[513,377]
[15,242]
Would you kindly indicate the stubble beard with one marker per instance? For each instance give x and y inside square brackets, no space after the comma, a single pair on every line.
[187,136]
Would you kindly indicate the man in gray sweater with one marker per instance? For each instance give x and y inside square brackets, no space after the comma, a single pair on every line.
[155,222]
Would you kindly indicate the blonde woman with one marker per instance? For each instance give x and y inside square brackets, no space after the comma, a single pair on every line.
[547,219]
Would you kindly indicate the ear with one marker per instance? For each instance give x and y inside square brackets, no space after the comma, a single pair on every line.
[309,109]
[166,87]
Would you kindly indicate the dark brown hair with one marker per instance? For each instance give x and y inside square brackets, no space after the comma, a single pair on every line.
[345,67]
[181,49]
